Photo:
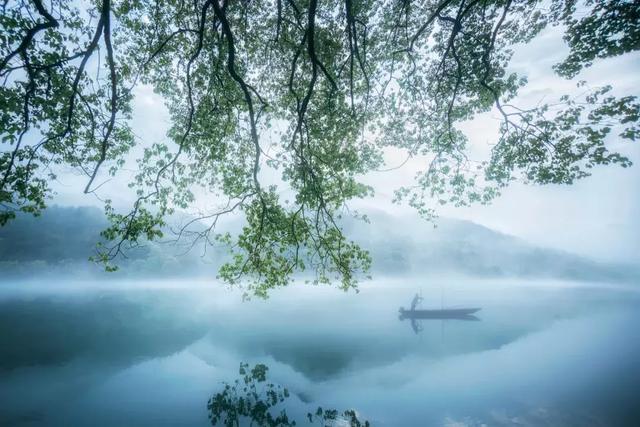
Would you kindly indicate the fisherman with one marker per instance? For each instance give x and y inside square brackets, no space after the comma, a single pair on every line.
[416,300]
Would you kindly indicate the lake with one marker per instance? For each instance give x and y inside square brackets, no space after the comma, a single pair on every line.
[137,354]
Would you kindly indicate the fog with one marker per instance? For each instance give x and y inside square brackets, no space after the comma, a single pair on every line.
[553,343]
[117,353]
[554,270]
[59,243]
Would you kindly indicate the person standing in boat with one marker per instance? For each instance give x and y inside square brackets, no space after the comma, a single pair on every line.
[416,300]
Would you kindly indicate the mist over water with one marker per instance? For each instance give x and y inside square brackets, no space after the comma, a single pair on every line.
[553,269]
[116,353]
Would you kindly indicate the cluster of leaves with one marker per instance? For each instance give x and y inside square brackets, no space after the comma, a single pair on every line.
[308,91]
[253,400]
[54,110]
[565,148]
[611,28]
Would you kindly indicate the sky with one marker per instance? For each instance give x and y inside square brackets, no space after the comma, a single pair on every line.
[596,217]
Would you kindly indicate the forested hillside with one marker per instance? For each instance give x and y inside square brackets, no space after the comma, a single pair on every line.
[64,238]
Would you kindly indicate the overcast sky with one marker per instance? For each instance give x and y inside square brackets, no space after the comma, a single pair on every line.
[597,216]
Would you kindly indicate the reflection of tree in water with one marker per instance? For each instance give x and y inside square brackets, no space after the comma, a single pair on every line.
[251,399]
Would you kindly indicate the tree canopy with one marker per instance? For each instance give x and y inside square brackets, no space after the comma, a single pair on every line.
[313,90]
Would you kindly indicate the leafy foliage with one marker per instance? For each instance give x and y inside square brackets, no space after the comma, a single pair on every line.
[252,399]
[308,91]
[610,29]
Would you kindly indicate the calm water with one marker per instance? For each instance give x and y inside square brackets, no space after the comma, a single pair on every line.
[117,354]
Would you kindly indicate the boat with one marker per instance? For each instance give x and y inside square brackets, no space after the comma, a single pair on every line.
[449,313]
[415,315]
[444,313]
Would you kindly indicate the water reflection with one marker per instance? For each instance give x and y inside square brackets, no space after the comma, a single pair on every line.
[252,400]
[110,329]
[55,350]
[154,358]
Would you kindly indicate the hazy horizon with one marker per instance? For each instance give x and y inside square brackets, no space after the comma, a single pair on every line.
[293,147]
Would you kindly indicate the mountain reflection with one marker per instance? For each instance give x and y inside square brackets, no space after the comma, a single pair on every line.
[111,330]
[154,357]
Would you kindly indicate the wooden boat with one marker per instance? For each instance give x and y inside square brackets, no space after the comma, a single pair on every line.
[449,313]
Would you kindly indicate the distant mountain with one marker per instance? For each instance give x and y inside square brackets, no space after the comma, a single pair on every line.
[60,233]
[63,238]
[466,248]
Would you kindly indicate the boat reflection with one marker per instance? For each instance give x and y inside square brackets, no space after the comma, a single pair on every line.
[415,315]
